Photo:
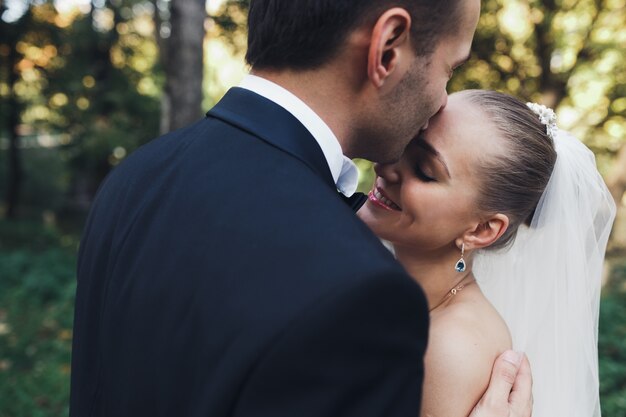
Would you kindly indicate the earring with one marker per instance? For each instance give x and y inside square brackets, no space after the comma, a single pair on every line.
[460,264]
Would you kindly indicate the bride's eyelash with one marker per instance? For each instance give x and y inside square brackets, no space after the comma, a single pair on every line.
[420,174]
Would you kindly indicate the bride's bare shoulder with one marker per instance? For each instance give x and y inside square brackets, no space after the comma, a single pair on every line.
[464,340]
[473,321]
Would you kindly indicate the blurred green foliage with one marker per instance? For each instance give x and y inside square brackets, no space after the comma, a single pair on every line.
[568,55]
[88,88]
[46,179]
[36,311]
[612,344]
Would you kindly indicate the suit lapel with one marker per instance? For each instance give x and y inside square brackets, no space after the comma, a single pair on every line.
[273,124]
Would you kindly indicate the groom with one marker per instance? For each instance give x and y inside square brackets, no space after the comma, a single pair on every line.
[221,272]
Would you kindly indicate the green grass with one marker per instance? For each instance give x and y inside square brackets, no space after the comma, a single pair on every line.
[37,284]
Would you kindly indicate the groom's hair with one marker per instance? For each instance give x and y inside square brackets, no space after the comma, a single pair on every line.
[305,34]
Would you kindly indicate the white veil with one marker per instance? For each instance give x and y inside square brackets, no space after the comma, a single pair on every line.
[547,285]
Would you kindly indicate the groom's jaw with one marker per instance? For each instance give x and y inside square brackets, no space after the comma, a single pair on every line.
[378,197]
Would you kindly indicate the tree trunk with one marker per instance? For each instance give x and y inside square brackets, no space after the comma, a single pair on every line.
[184,63]
[552,88]
[14,163]
[616,180]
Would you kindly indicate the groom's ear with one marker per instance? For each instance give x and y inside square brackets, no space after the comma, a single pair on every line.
[487,232]
[389,42]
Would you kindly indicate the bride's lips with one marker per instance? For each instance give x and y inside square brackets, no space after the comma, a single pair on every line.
[378,197]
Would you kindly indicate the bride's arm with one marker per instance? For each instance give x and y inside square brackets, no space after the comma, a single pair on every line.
[458,365]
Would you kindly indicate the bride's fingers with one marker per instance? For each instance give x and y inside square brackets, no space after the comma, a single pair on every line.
[521,395]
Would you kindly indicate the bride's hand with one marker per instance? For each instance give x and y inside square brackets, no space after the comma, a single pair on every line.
[510,389]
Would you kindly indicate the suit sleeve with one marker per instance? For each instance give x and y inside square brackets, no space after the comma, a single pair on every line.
[358,352]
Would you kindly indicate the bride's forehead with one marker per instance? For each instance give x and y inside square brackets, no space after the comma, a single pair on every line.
[460,110]
[459,102]
[462,128]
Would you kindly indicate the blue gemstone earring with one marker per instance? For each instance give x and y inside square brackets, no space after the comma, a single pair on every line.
[460,264]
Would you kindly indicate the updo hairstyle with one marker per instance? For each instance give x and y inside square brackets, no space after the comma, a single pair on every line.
[514,181]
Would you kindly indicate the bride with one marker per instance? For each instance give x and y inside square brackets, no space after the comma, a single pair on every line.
[503,220]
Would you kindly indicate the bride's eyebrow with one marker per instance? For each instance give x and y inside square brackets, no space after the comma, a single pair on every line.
[429,148]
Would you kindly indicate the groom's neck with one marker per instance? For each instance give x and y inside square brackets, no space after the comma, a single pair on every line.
[325,93]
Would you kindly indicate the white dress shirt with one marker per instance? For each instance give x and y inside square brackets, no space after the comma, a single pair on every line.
[344,171]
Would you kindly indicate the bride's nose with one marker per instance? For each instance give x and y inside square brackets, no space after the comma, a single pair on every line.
[389,172]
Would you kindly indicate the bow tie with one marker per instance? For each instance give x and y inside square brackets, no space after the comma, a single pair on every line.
[355,202]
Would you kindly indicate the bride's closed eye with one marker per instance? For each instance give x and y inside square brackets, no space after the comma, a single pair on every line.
[419,154]
[426,161]
[419,173]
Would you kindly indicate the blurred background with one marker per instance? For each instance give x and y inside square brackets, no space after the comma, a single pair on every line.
[85,82]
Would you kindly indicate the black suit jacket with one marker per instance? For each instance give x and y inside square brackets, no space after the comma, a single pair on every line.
[220,274]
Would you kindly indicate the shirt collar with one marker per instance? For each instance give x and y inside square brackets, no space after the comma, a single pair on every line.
[344,171]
